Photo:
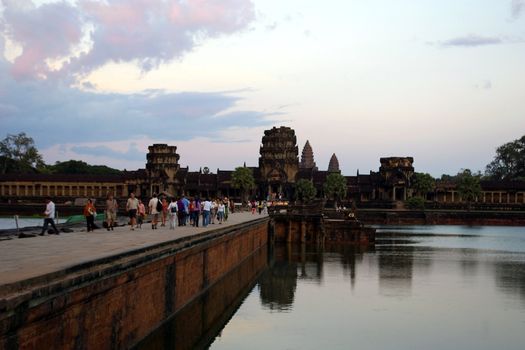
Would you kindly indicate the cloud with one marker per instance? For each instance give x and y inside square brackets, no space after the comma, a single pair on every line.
[517,7]
[471,40]
[132,154]
[64,40]
[57,114]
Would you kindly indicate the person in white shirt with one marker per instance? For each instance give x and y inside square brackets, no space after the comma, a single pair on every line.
[49,217]
[172,212]
[206,209]
[220,212]
[152,206]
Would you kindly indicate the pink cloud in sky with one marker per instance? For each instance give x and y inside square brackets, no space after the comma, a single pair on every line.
[148,32]
[46,32]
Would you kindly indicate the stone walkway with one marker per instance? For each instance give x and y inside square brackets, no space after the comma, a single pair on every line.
[21,259]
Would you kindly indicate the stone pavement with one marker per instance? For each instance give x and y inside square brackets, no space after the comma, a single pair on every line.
[21,259]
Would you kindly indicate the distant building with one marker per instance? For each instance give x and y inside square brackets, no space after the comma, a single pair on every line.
[278,170]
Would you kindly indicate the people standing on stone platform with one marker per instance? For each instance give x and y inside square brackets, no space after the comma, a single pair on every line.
[226,203]
[181,212]
[165,205]
[111,212]
[213,212]
[172,211]
[206,212]
[195,210]
[131,207]
[141,214]
[220,212]
[90,213]
[153,208]
[49,217]
[186,202]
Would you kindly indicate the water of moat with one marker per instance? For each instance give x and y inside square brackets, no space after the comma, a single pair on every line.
[421,287]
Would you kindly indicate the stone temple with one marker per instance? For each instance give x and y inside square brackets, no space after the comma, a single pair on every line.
[278,170]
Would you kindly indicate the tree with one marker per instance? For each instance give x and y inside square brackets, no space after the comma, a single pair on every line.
[335,187]
[423,183]
[242,178]
[509,162]
[468,186]
[305,190]
[19,154]
[80,167]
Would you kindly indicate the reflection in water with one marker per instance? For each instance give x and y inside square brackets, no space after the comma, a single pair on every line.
[395,270]
[441,288]
[510,278]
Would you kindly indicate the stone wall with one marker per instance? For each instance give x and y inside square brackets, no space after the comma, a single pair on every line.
[197,324]
[114,302]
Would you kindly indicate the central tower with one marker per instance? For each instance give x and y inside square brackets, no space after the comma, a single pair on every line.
[278,163]
[161,168]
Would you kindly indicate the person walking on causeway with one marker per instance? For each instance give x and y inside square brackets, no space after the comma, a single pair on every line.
[49,217]
[155,207]
[90,212]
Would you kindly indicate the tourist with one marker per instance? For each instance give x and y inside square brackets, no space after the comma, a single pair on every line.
[226,203]
[206,211]
[172,210]
[141,214]
[186,202]
[195,210]
[164,216]
[49,217]
[90,213]
[220,212]
[231,205]
[254,206]
[259,206]
[131,207]
[181,212]
[154,206]
[213,212]
[111,212]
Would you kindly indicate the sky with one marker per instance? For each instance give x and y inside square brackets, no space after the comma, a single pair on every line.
[440,81]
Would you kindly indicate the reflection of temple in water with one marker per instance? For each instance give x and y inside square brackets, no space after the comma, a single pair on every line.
[277,286]
[293,263]
[510,278]
[396,265]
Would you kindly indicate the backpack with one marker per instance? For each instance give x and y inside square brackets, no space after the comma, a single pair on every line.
[173,208]
[159,205]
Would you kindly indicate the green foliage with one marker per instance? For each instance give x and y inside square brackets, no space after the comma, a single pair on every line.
[18,154]
[80,167]
[416,203]
[242,178]
[305,190]
[423,183]
[335,186]
[468,185]
[509,162]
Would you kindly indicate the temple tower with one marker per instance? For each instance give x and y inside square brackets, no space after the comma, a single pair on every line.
[307,157]
[396,174]
[279,162]
[333,166]
[161,168]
